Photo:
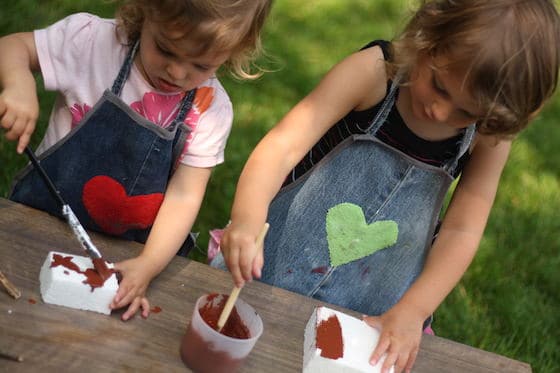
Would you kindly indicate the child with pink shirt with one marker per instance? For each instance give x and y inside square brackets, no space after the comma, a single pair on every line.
[139,122]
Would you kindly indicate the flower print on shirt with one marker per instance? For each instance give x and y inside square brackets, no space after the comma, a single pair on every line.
[78,112]
[157,108]
[162,109]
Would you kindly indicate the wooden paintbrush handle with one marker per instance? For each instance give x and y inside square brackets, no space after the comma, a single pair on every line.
[235,292]
[227,308]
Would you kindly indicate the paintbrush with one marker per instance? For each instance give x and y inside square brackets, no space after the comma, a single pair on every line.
[224,316]
[72,219]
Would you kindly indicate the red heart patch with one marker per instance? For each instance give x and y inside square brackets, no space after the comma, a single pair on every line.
[115,212]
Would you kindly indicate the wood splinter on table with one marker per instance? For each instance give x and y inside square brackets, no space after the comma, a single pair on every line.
[8,356]
[12,290]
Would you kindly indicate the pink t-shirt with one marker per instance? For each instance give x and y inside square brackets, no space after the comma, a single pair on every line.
[80,56]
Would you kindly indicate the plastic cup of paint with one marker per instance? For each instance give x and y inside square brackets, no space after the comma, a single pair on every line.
[204,349]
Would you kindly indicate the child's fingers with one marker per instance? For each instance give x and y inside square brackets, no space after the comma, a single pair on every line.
[380,349]
[392,359]
[246,266]
[131,311]
[124,296]
[411,360]
[145,305]
[246,272]
[8,120]
[26,136]
[15,130]
[258,264]
[22,143]
[232,261]
[399,363]
[118,299]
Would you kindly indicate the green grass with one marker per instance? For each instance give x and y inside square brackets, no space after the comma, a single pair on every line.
[508,301]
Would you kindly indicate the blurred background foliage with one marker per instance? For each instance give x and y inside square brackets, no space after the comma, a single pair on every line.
[508,301]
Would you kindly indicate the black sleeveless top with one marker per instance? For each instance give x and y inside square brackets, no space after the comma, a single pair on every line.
[393,132]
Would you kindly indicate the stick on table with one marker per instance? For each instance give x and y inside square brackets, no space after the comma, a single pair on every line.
[9,356]
[235,292]
[12,290]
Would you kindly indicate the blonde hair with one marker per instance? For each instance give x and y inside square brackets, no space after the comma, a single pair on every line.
[509,49]
[217,25]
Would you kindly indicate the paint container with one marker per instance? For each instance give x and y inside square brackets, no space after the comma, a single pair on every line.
[203,349]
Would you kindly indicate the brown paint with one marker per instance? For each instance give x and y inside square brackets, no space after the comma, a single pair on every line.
[329,338]
[65,261]
[93,278]
[199,356]
[321,270]
[102,269]
[234,327]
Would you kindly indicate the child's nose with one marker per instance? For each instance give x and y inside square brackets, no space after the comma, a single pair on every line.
[177,71]
[441,110]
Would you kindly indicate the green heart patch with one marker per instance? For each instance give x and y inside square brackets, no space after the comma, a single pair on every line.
[351,238]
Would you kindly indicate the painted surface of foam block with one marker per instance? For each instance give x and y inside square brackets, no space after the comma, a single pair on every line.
[71,281]
[336,342]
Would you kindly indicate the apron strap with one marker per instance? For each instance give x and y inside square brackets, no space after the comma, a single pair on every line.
[178,123]
[385,108]
[186,105]
[118,84]
[466,141]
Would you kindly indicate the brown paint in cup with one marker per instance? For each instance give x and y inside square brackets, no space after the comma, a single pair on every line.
[203,349]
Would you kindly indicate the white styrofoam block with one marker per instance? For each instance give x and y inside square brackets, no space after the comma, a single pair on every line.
[66,284]
[358,342]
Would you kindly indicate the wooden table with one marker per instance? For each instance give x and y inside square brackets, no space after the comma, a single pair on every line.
[54,338]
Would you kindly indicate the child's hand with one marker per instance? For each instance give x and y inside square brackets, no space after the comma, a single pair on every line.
[19,110]
[135,280]
[400,333]
[242,256]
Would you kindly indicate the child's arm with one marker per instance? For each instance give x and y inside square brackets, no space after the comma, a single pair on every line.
[173,223]
[19,107]
[449,257]
[358,82]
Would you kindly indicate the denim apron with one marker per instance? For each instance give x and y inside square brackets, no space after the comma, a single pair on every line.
[387,185]
[113,168]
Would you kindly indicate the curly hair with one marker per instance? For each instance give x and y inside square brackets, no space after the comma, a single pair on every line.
[509,49]
[217,25]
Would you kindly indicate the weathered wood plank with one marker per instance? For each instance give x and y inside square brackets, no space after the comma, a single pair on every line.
[53,338]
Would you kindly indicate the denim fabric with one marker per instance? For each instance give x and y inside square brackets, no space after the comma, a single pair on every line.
[114,141]
[387,185]
[391,187]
